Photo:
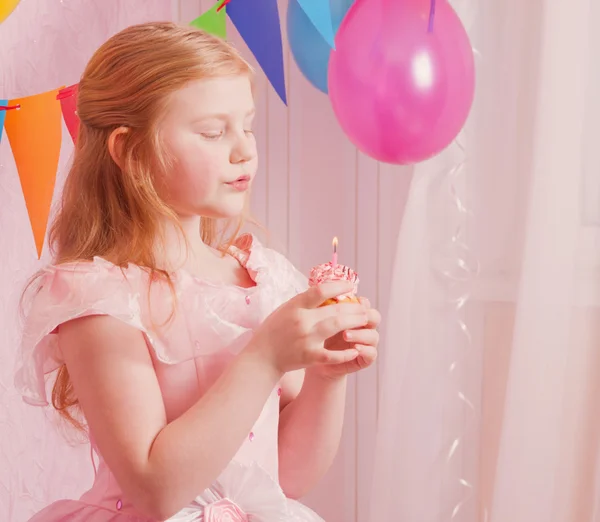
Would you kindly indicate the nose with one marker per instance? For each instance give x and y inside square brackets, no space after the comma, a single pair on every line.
[244,150]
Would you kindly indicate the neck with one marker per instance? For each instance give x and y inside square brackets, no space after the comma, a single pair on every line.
[174,253]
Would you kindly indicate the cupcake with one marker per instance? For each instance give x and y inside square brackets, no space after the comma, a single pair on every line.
[327,273]
[333,271]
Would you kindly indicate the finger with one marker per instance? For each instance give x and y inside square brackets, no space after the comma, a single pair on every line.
[337,356]
[367,356]
[317,295]
[374,318]
[335,324]
[365,336]
[344,308]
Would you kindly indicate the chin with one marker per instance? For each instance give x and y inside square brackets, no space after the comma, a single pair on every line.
[230,207]
[222,212]
[230,215]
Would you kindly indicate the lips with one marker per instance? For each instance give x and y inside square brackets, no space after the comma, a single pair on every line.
[241,179]
[241,184]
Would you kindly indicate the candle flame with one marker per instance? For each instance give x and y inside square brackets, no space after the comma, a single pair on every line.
[335,244]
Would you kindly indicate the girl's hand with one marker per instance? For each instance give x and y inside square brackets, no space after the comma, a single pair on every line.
[364,339]
[293,336]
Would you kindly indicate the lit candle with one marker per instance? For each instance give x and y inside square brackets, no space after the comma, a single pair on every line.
[334,258]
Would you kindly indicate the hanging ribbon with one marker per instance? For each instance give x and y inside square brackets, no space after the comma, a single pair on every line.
[458,267]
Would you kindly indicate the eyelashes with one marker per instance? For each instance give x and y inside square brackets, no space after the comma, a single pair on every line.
[214,136]
[211,136]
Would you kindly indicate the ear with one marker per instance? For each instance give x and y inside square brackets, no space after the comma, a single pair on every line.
[115,145]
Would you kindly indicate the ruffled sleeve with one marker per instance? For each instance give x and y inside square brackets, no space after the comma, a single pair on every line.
[66,292]
[293,281]
[271,267]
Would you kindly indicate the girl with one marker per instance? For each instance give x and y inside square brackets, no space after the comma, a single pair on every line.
[211,382]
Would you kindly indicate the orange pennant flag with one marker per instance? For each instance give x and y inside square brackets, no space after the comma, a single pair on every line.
[34,133]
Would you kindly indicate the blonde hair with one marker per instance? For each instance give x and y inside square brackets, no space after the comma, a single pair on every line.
[116,213]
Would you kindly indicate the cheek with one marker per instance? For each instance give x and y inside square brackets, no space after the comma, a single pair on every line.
[197,172]
[194,180]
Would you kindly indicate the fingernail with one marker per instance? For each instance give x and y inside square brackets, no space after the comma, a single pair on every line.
[348,336]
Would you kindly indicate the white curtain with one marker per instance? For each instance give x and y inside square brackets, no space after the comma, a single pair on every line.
[497,421]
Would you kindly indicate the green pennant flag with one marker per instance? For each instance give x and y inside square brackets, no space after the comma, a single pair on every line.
[213,21]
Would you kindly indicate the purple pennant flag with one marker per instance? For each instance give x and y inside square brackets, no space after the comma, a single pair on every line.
[257,21]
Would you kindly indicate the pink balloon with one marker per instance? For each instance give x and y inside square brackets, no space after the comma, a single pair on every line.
[401,92]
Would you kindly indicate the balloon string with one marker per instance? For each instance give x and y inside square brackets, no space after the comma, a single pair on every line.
[431,16]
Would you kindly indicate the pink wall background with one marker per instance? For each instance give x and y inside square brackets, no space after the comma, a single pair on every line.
[313,185]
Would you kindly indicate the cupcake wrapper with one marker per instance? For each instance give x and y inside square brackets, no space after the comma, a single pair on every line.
[341,299]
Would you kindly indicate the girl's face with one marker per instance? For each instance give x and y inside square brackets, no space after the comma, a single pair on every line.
[207,130]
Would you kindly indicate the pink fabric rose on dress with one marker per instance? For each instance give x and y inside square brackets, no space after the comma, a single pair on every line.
[224,510]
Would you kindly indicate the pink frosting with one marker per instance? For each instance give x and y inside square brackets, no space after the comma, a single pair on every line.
[327,272]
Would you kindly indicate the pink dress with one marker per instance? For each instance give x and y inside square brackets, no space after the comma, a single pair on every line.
[212,324]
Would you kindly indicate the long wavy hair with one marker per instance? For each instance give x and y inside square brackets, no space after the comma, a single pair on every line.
[113,212]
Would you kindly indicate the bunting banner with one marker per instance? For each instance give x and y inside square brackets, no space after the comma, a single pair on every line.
[319,13]
[4,106]
[34,133]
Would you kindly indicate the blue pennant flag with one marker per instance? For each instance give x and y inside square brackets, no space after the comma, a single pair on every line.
[319,13]
[257,21]
[2,116]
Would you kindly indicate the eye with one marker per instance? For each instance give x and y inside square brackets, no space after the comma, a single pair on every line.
[212,136]
[249,132]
